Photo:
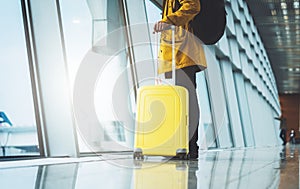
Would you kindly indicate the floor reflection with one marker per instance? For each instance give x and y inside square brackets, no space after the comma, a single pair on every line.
[236,169]
[289,167]
[149,175]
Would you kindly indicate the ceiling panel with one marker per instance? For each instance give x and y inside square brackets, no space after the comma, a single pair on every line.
[278,23]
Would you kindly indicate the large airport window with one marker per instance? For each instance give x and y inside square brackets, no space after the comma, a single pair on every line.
[98,64]
[77,27]
[18,132]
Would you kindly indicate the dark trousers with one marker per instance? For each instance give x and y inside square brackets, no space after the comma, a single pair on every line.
[186,77]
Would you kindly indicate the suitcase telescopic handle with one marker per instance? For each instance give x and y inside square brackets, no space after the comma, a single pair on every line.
[173,79]
[173,55]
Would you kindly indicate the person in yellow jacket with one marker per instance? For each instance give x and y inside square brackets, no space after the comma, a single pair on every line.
[189,56]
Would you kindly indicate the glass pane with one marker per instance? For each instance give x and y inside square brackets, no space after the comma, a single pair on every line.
[206,122]
[153,15]
[234,119]
[18,133]
[98,65]
[226,120]
[77,27]
[244,109]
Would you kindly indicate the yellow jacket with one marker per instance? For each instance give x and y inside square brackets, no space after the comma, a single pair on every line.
[188,48]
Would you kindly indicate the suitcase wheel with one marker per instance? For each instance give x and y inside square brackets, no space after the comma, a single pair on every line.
[138,155]
[182,156]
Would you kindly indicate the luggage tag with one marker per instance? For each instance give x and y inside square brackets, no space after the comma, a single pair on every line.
[160,78]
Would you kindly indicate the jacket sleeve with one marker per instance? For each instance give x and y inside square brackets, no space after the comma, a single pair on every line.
[188,10]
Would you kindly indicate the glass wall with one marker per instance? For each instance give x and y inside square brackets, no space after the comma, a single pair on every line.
[232,103]
[244,109]
[97,59]
[18,132]
[218,99]
[207,133]
[77,27]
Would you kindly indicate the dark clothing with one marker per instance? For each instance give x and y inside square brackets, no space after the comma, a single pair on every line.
[186,77]
[189,57]
[283,136]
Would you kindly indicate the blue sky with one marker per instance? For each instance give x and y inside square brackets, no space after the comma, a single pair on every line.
[15,94]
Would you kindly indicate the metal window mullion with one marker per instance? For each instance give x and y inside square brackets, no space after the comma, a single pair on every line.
[34,77]
[130,49]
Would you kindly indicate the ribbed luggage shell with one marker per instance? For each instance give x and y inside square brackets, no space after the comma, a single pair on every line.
[162,120]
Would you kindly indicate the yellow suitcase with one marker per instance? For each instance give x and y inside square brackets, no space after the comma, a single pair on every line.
[161,121]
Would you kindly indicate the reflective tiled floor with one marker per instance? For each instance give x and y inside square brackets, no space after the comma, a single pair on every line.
[238,169]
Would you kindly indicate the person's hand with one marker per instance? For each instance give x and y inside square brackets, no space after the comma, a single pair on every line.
[161,26]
